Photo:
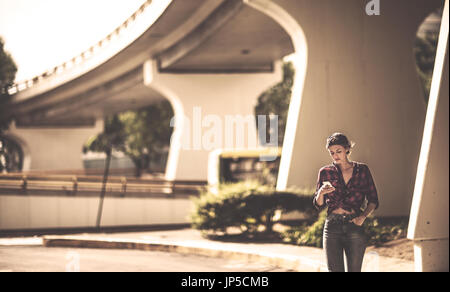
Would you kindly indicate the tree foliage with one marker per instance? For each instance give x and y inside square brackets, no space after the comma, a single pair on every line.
[275,101]
[148,133]
[425,52]
[8,70]
[11,155]
[142,135]
[112,137]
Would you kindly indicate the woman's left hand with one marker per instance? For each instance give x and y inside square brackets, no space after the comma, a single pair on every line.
[359,220]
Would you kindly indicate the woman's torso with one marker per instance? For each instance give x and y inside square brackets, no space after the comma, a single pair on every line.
[350,186]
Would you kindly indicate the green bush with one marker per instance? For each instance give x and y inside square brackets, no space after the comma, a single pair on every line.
[306,235]
[378,231]
[246,205]
[381,230]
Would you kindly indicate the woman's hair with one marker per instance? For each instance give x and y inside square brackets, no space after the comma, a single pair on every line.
[340,139]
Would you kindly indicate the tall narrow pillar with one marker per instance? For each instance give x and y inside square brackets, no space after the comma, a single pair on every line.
[212,111]
[428,225]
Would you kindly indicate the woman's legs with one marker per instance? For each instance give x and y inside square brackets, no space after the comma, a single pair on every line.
[340,237]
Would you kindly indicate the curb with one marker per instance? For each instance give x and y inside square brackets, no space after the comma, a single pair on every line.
[294,263]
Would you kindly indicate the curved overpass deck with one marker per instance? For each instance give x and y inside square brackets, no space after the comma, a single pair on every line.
[194,36]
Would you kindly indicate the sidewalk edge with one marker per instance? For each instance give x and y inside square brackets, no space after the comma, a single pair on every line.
[295,263]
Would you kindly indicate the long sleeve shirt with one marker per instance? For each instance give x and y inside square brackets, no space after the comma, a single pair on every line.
[350,196]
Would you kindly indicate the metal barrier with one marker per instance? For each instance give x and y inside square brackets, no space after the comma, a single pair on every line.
[81,185]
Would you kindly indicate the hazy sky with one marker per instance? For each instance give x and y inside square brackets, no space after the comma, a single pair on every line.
[41,34]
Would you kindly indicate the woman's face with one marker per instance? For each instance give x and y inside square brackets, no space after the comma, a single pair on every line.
[338,153]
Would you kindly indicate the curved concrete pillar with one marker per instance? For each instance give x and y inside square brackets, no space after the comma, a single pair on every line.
[53,148]
[300,61]
[211,111]
[360,80]
[428,225]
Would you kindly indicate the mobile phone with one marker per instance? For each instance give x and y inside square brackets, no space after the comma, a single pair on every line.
[327,184]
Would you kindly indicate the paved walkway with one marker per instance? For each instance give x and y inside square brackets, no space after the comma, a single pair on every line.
[189,241]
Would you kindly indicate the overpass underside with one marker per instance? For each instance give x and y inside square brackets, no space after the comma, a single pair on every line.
[355,74]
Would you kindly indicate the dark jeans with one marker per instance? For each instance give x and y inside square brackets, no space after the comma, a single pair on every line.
[339,236]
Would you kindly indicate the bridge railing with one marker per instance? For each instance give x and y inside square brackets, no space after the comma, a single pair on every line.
[20,86]
[79,185]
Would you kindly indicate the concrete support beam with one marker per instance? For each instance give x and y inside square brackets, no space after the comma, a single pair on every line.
[193,39]
[358,77]
[211,111]
[53,148]
[428,225]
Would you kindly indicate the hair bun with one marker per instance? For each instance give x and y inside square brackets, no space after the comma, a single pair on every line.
[339,139]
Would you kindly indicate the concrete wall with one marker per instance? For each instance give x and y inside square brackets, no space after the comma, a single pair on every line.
[53,148]
[41,212]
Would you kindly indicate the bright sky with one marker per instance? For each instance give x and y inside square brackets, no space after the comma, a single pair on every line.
[41,34]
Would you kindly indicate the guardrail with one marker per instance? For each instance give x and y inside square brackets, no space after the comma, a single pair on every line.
[17,87]
[78,185]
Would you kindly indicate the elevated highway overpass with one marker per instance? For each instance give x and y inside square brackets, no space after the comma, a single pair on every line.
[193,36]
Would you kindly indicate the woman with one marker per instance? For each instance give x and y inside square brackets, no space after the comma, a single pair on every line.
[343,187]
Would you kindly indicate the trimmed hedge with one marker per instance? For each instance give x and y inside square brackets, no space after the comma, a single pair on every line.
[247,205]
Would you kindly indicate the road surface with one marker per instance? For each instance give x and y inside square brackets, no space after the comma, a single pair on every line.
[53,259]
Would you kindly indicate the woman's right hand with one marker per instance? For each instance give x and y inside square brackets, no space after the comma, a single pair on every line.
[326,189]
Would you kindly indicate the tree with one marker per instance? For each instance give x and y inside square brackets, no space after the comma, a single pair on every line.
[112,137]
[8,70]
[143,134]
[11,156]
[425,47]
[275,101]
[425,52]
[147,132]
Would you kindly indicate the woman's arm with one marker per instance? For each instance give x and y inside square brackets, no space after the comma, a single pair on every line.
[319,199]
[324,189]
[369,209]
[361,218]
[372,199]
[321,190]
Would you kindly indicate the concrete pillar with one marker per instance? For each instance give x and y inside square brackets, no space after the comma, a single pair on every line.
[360,79]
[212,111]
[428,225]
[53,148]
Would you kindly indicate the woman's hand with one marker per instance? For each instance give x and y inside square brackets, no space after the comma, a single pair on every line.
[326,189]
[359,220]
